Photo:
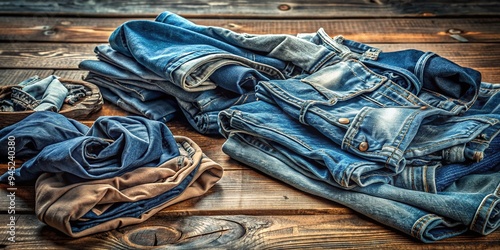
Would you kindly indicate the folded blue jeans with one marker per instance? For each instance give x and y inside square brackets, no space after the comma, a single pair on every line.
[325,160]
[152,104]
[471,203]
[117,73]
[111,147]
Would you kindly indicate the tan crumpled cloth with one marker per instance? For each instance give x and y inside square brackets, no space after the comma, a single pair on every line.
[59,202]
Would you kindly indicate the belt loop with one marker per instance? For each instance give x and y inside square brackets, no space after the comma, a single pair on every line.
[303,110]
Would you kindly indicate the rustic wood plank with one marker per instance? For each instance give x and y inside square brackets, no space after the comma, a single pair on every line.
[237,232]
[256,8]
[240,191]
[394,30]
[15,76]
[68,56]
[44,56]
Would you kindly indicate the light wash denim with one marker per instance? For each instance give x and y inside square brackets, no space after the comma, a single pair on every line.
[471,203]
[301,150]
[373,117]
[320,156]
[37,94]
[111,147]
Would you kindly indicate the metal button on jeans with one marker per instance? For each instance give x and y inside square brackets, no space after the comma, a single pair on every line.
[344,120]
[363,146]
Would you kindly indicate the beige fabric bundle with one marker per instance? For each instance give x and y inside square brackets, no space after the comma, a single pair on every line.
[60,202]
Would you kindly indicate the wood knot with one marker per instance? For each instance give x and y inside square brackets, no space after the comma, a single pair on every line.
[284,7]
[152,236]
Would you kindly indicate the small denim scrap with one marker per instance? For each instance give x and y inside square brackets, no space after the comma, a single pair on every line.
[35,94]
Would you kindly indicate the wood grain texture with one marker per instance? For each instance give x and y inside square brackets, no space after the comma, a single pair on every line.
[383,30]
[238,232]
[246,209]
[256,8]
[15,76]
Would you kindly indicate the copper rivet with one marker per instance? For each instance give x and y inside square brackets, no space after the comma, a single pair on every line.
[423,107]
[363,146]
[344,120]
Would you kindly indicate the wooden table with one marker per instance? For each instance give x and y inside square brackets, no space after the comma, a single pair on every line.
[246,209]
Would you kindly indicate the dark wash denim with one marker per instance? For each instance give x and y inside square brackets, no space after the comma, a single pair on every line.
[38,131]
[472,202]
[111,147]
[37,94]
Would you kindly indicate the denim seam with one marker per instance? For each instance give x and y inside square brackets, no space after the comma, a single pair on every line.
[404,72]
[447,100]
[363,80]
[327,39]
[397,89]
[370,99]
[322,62]
[420,65]
[418,226]
[478,212]
[386,96]
[412,179]
[413,150]
[424,179]
[305,145]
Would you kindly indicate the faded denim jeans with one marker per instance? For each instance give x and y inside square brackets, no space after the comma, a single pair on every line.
[36,94]
[471,203]
[266,139]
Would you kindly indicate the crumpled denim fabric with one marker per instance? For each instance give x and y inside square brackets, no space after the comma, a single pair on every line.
[115,72]
[186,53]
[373,117]
[111,147]
[471,203]
[37,94]
[84,208]
[37,131]
[325,159]
[178,56]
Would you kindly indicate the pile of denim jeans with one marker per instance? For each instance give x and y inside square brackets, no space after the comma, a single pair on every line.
[408,138]
[35,94]
[118,172]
